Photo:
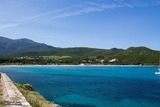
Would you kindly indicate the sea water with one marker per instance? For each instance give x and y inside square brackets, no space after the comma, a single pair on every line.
[92,86]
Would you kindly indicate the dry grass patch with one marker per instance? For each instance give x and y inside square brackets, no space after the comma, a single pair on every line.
[34,98]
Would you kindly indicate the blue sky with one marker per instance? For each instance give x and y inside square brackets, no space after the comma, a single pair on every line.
[83,23]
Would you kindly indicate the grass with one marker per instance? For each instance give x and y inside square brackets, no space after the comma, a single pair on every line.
[57,57]
[34,98]
[1,96]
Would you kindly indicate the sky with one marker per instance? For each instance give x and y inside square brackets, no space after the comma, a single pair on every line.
[83,23]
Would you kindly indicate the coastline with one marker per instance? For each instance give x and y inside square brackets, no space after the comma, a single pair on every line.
[92,65]
[20,95]
[113,74]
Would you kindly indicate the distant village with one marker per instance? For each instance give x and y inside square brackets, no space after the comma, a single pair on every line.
[58,60]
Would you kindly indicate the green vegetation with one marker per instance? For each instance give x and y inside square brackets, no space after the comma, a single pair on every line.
[25,51]
[34,98]
[1,96]
[56,57]
[76,56]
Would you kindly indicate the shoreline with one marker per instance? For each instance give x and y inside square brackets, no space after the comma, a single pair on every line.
[15,94]
[79,65]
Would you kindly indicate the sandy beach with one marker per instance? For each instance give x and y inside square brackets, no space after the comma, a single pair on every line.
[77,65]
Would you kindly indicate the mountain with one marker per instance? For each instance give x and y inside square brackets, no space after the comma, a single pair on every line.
[39,53]
[135,56]
[10,46]
[74,52]
[130,56]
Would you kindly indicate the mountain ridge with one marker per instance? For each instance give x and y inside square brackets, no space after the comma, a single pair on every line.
[40,53]
[13,46]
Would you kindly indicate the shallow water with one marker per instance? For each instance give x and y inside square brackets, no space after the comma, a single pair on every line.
[88,86]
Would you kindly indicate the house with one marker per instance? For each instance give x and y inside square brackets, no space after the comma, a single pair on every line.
[113,60]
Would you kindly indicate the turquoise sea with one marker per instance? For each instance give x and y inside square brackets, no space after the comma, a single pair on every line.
[91,86]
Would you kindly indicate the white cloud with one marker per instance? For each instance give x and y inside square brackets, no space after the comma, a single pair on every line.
[66,15]
[101,5]
[85,8]
[5,26]
[44,14]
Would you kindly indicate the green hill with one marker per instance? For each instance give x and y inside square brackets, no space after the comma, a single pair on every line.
[25,51]
[135,56]
[130,56]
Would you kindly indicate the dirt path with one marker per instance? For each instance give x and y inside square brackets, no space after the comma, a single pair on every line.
[11,95]
[1,96]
